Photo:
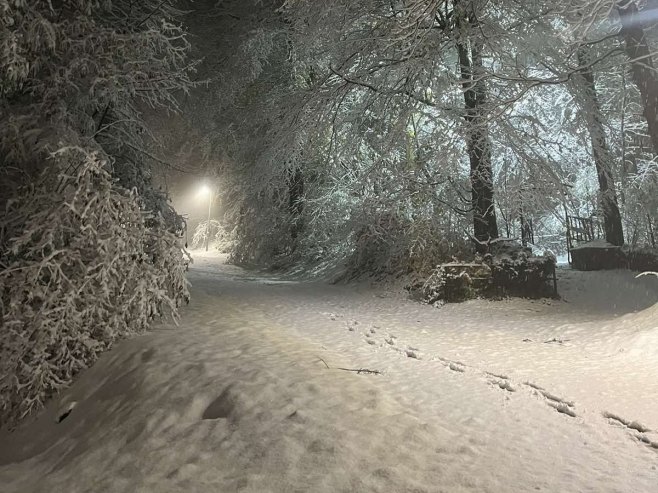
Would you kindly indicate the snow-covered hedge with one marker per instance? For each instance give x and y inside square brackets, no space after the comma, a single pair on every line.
[82,266]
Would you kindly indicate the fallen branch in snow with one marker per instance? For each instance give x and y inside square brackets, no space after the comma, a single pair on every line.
[555,339]
[362,370]
[356,370]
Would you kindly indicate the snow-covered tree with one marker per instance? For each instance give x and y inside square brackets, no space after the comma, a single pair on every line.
[405,128]
[88,249]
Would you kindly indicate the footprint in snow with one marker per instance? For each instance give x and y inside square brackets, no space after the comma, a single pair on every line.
[222,407]
[497,375]
[65,411]
[505,385]
[633,425]
[412,354]
[500,381]
[562,408]
[561,405]
[637,430]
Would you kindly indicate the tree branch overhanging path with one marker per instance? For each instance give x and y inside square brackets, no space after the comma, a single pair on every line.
[407,108]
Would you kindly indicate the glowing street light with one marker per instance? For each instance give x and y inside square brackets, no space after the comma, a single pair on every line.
[206,191]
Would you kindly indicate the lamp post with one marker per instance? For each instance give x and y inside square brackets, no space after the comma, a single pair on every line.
[205,190]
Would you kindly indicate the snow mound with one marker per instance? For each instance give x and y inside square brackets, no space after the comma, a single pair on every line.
[644,343]
[173,412]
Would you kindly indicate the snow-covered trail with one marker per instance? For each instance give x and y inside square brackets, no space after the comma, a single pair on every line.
[471,397]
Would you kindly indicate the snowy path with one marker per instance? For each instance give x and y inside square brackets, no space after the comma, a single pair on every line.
[471,397]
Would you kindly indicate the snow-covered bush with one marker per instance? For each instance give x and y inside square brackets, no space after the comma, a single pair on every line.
[82,270]
[220,238]
[261,239]
[88,244]
[391,245]
[376,252]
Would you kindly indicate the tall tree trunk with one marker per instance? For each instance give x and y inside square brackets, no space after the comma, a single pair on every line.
[485,227]
[642,69]
[601,153]
[295,200]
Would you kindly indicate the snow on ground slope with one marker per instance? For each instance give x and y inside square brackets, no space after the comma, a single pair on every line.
[248,394]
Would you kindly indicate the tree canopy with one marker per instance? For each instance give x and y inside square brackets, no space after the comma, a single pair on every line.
[432,124]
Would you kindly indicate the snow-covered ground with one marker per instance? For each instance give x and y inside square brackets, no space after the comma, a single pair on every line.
[252,392]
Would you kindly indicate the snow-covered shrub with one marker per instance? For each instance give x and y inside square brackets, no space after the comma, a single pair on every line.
[220,238]
[81,261]
[391,245]
[261,239]
[82,266]
[376,250]
[430,245]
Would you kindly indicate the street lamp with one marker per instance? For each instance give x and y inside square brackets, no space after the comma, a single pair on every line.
[205,190]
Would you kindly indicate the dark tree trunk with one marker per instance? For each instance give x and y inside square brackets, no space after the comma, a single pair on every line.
[650,232]
[295,200]
[614,233]
[642,69]
[485,227]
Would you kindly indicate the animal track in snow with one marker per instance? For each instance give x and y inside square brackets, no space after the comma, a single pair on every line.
[331,315]
[411,353]
[563,408]
[501,381]
[633,425]
[498,380]
[561,405]
[505,385]
[497,375]
[637,430]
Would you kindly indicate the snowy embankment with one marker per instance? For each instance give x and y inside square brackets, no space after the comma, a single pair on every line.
[247,395]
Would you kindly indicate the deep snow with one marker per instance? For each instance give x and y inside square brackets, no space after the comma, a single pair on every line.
[246,395]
